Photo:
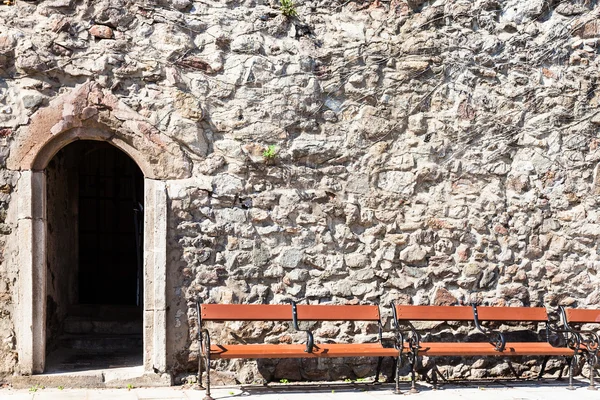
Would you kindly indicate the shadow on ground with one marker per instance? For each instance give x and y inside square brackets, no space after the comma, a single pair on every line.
[354,387]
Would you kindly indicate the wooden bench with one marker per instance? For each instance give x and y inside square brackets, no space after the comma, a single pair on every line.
[573,318]
[294,314]
[495,346]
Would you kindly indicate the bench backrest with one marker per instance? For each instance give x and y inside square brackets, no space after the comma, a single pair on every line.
[434,313]
[283,312]
[582,316]
[246,312]
[322,312]
[465,313]
[517,314]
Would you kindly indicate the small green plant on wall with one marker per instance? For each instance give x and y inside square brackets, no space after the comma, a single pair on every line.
[288,8]
[270,153]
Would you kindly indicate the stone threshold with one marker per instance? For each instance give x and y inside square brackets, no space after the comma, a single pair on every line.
[125,377]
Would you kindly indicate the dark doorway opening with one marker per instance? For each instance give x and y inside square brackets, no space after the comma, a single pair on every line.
[94,258]
[110,230]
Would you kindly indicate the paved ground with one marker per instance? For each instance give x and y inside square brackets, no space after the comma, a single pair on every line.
[546,390]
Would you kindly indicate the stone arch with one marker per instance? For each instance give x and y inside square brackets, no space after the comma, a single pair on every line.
[55,144]
[90,113]
[596,179]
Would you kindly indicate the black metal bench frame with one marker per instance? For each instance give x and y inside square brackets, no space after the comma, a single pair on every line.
[311,349]
[495,338]
[589,345]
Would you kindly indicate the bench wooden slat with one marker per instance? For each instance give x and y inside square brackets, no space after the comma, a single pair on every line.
[520,314]
[465,313]
[487,349]
[323,312]
[297,351]
[582,316]
[434,313]
[246,312]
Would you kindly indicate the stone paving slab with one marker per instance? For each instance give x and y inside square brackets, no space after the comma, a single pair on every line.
[546,390]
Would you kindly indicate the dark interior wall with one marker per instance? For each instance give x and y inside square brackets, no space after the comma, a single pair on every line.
[62,256]
[110,188]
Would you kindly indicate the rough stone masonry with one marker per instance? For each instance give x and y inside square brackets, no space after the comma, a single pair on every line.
[426,152]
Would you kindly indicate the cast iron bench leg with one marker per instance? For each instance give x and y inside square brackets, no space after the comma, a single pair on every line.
[572,363]
[200,367]
[397,366]
[592,362]
[201,346]
[413,371]
[207,395]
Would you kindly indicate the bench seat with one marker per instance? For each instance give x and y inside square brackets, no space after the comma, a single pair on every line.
[495,345]
[334,350]
[292,314]
[320,350]
[486,349]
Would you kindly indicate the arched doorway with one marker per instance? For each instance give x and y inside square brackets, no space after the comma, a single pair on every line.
[32,222]
[94,253]
[89,113]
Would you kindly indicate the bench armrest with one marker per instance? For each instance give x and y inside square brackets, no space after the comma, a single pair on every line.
[310,340]
[576,338]
[590,339]
[572,337]
[204,341]
[399,340]
[412,336]
[379,326]
[199,322]
[203,335]
[495,337]
[591,342]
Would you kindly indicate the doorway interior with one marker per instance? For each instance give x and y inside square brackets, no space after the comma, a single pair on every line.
[94,253]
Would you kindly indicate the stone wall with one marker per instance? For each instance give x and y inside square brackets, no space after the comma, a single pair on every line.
[8,276]
[424,152]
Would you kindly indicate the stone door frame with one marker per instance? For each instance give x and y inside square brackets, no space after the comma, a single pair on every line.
[31,233]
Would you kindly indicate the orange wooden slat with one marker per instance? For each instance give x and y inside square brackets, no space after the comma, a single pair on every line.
[325,312]
[582,316]
[465,313]
[297,351]
[434,313]
[512,314]
[375,350]
[487,349]
[246,312]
